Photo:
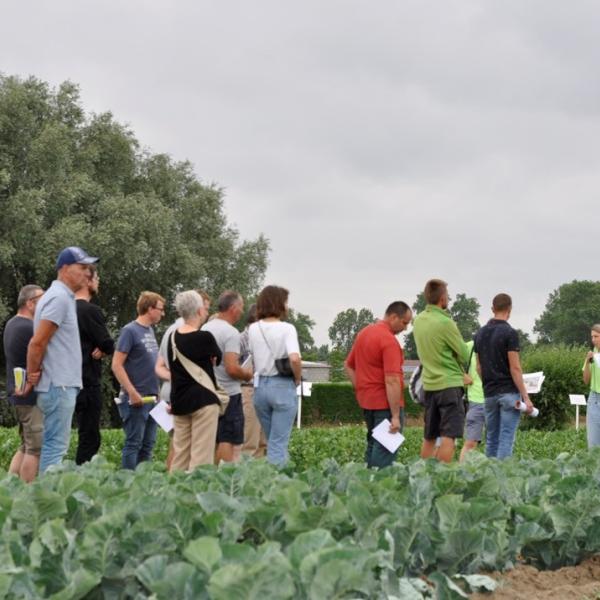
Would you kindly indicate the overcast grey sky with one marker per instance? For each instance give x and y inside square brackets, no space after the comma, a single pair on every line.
[376,144]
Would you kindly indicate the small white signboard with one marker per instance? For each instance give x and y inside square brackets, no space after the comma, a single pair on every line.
[577,400]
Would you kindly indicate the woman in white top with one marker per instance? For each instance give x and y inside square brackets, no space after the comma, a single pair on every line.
[275,397]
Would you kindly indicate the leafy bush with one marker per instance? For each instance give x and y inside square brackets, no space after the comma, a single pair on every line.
[562,367]
[251,531]
[336,403]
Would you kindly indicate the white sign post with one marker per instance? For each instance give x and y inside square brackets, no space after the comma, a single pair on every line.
[304,389]
[577,400]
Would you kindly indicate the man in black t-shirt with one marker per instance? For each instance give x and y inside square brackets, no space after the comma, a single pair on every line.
[17,334]
[497,350]
[96,343]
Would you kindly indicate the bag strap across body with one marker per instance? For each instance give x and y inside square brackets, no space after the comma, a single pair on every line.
[197,373]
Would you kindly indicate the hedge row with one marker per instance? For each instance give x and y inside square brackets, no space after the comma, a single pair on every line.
[336,403]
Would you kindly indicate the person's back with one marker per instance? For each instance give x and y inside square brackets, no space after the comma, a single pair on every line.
[442,352]
[497,349]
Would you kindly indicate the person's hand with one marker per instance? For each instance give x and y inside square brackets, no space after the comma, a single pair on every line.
[97,354]
[135,399]
[528,404]
[169,409]
[34,377]
[25,391]
[589,356]
[248,375]
[395,425]
[467,379]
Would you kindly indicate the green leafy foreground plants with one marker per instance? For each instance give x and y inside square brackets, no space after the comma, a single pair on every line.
[330,531]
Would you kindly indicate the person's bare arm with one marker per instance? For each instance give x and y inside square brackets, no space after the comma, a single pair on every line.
[517,376]
[296,364]
[478,366]
[393,390]
[36,350]
[161,369]
[118,368]
[231,361]
[587,369]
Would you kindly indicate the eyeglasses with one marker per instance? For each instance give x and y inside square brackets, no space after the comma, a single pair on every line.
[159,308]
[36,298]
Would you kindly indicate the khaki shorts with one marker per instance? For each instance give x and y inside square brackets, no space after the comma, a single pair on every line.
[31,429]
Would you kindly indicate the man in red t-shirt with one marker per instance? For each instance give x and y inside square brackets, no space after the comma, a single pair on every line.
[374,366]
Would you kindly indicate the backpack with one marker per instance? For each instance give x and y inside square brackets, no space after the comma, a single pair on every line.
[415,387]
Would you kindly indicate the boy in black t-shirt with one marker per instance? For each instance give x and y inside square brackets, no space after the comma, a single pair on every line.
[497,350]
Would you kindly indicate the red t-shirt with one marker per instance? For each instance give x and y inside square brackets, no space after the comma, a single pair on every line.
[375,354]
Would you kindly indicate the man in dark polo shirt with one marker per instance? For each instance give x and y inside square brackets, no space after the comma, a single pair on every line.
[96,343]
[497,350]
[374,367]
[17,333]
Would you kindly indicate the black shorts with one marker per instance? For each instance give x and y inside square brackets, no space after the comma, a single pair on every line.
[231,424]
[444,413]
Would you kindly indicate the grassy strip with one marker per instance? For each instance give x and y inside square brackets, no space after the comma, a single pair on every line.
[309,446]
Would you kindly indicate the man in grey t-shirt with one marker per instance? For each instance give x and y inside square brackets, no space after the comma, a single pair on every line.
[229,374]
[54,353]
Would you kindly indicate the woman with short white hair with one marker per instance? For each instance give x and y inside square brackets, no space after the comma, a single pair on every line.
[195,407]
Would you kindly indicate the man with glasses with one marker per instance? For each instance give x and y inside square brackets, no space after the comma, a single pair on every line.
[133,366]
[96,343]
[17,333]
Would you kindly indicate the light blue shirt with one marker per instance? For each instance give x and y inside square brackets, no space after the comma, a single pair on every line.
[61,365]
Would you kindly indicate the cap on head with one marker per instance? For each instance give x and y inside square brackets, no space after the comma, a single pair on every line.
[74,255]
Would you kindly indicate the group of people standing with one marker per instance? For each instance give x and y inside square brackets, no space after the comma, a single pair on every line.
[224,388]
[486,371]
[229,390]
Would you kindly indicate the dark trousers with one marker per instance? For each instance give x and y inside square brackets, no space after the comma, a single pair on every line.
[87,412]
[376,455]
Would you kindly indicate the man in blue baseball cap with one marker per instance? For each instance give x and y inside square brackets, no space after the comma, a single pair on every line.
[54,353]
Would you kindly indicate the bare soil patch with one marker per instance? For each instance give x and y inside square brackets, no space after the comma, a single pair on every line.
[568,583]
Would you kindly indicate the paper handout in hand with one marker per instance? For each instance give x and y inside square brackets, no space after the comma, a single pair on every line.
[390,441]
[533,382]
[163,418]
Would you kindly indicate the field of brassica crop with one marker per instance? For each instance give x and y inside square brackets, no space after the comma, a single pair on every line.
[325,530]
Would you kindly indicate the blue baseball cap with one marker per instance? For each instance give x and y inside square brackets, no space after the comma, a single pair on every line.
[74,255]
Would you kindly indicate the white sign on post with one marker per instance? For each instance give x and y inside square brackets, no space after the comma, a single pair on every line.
[305,390]
[577,400]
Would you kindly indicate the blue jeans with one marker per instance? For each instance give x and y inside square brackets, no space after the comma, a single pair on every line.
[376,454]
[140,434]
[57,406]
[593,419]
[276,405]
[501,422]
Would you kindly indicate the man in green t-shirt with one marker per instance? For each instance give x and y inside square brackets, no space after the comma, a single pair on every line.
[476,412]
[442,352]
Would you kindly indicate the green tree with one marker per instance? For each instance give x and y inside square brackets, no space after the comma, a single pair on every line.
[570,312]
[303,324]
[524,340]
[346,326]
[410,348]
[465,312]
[69,179]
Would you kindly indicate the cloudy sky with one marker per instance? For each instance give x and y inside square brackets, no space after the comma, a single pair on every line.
[376,144]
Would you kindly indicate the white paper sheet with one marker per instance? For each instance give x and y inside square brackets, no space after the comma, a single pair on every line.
[162,417]
[533,382]
[248,364]
[577,399]
[390,441]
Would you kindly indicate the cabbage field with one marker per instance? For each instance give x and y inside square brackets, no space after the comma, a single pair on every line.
[415,530]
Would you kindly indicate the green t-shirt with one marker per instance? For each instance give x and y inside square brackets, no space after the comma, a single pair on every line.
[441,349]
[475,390]
[595,380]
